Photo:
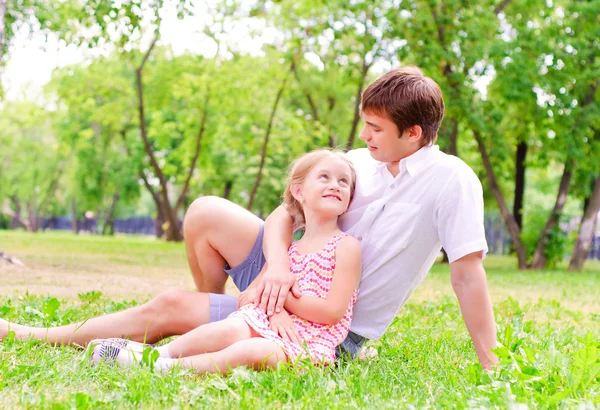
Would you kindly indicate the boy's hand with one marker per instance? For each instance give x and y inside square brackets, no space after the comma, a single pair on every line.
[246,297]
[273,289]
[282,324]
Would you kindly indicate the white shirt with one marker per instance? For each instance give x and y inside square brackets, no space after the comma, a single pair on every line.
[402,223]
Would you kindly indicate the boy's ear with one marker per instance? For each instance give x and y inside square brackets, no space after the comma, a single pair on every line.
[296,191]
[415,133]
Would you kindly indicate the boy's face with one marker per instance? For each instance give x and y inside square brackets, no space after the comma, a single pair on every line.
[384,141]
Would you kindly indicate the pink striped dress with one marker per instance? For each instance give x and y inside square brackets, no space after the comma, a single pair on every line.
[314,272]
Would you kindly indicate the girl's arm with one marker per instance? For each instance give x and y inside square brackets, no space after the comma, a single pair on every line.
[346,278]
[276,281]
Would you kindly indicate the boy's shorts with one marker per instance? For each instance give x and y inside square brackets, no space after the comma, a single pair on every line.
[243,275]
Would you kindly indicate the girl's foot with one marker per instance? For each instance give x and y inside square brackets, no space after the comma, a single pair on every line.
[115,351]
[126,344]
[124,352]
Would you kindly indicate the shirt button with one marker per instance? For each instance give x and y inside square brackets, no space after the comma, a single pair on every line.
[391,186]
[360,238]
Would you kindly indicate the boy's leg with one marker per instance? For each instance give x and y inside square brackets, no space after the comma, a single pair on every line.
[256,352]
[211,226]
[170,313]
[217,233]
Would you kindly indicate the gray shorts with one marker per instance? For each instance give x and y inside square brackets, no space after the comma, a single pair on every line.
[242,275]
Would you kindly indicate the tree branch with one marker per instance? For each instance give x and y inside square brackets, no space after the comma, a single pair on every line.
[539,257]
[266,142]
[196,152]
[311,102]
[509,219]
[500,7]
[143,129]
[141,172]
[361,84]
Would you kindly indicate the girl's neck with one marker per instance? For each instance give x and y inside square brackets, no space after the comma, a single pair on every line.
[317,228]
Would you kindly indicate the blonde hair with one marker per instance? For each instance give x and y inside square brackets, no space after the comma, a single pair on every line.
[297,174]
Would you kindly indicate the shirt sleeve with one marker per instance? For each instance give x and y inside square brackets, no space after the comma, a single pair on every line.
[460,216]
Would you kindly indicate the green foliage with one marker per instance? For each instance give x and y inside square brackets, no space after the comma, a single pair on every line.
[425,359]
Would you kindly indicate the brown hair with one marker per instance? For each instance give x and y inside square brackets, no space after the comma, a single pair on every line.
[298,172]
[407,98]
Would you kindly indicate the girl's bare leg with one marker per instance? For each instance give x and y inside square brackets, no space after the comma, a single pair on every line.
[210,338]
[204,339]
[256,352]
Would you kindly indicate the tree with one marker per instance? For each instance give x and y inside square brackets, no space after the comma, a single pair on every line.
[587,228]
[32,164]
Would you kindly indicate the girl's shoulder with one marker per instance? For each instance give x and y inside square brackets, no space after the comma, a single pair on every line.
[348,243]
[344,243]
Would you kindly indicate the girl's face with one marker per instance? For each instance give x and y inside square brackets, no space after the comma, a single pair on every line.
[326,188]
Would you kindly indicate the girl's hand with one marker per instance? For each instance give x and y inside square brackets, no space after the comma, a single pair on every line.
[282,324]
[246,297]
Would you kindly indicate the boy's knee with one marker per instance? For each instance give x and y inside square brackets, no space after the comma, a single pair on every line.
[166,305]
[201,213]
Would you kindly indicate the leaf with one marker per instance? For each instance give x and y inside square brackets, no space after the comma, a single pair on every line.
[29,309]
[50,307]
[556,397]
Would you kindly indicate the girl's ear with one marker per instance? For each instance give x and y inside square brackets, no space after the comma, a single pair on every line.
[296,191]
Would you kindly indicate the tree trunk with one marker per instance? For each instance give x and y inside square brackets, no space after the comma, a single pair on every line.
[109,219]
[587,229]
[74,221]
[359,91]
[173,231]
[49,223]
[17,218]
[263,154]
[519,183]
[159,222]
[509,219]
[33,217]
[539,257]
[452,139]
[227,189]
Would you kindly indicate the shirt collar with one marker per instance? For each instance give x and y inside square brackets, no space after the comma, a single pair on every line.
[413,163]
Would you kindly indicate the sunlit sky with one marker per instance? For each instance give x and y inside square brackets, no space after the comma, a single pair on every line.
[32,58]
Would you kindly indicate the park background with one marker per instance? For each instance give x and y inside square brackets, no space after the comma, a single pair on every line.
[115,116]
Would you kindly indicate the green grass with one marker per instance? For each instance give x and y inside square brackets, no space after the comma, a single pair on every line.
[549,330]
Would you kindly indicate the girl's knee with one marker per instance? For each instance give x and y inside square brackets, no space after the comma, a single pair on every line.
[236,330]
[263,353]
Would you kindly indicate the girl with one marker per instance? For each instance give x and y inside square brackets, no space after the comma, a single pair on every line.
[327,263]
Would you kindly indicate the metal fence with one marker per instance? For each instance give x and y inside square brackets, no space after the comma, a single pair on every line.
[496,233]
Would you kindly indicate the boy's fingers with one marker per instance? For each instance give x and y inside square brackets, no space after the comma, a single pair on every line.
[273,296]
[283,292]
[259,292]
[264,299]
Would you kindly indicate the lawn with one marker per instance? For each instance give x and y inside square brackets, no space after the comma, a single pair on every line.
[548,322]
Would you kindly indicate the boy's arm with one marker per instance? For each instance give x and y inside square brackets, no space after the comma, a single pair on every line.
[273,287]
[469,284]
[346,277]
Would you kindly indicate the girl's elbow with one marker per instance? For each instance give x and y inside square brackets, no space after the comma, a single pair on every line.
[334,317]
